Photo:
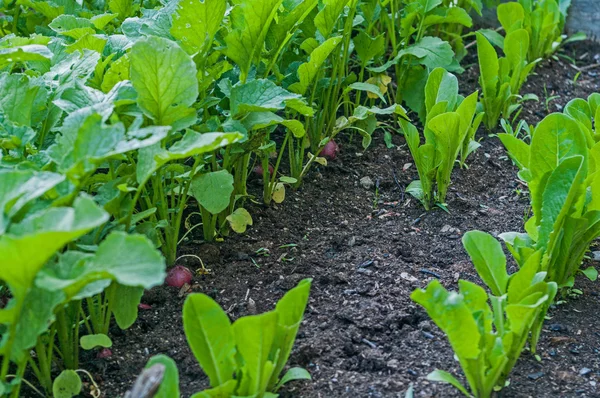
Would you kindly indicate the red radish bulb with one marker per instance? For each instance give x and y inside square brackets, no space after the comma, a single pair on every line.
[178,276]
[104,353]
[330,150]
[258,170]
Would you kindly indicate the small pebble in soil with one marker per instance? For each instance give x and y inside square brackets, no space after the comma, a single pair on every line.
[367,183]
[411,372]
[366,264]
[557,327]
[427,335]
[585,371]
[535,376]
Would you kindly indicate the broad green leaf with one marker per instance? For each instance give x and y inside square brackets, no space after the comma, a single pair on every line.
[126,302]
[368,48]
[441,86]
[450,313]
[67,384]
[449,15]
[21,98]
[309,70]
[20,187]
[259,95]
[35,316]
[369,88]
[558,197]
[101,20]
[25,53]
[169,386]
[432,52]
[210,336]
[47,231]
[328,16]
[556,138]
[213,190]
[489,260]
[250,22]
[92,341]
[196,22]
[124,8]
[254,337]
[164,76]
[448,140]
[239,220]
[153,157]
[511,16]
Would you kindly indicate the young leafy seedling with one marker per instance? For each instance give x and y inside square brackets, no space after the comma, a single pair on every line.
[450,126]
[245,358]
[488,331]
[501,78]
[564,181]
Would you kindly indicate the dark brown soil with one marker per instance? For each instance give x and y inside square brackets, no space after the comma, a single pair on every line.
[367,250]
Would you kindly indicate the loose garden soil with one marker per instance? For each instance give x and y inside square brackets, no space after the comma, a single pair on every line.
[367,249]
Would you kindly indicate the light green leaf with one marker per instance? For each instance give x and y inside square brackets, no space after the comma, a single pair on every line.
[489,260]
[591,273]
[250,22]
[47,231]
[259,95]
[213,190]
[126,302]
[164,76]
[293,374]
[92,341]
[67,384]
[169,387]
[430,51]
[309,70]
[445,377]
[210,336]
[196,22]
[239,220]
[328,16]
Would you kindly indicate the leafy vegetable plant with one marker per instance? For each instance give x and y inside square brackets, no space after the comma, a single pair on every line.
[561,167]
[501,78]
[544,20]
[450,125]
[488,339]
[243,359]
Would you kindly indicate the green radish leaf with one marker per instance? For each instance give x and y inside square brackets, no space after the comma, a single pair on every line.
[210,336]
[164,76]
[125,304]
[213,190]
[239,220]
[309,70]
[47,231]
[26,53]
[223,391]
[92,341]
[250,22]
[591,273]
[151,158]
[430,51]
[169,386]
[37,313]
[67,384]
[445,377]
[22,90]
[489,260]
[368,48]
[196,22]
[259,96]
[328,16]
[371,88]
